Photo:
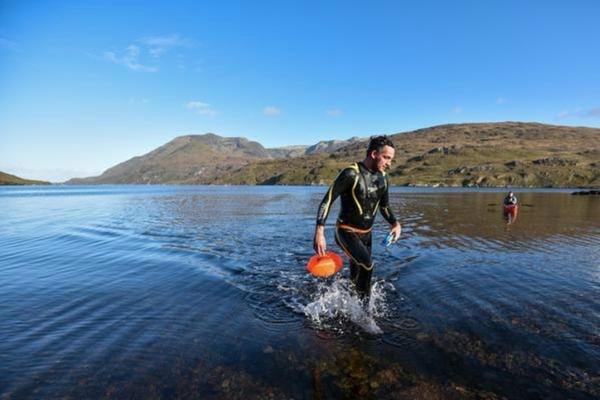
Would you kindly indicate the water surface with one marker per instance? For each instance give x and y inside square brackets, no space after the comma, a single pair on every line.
[201,292]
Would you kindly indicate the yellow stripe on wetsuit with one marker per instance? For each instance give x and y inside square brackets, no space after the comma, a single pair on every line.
[328,202]
[329,193]
[355,167]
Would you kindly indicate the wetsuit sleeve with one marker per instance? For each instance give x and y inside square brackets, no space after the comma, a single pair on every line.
[384,206]
[342,183]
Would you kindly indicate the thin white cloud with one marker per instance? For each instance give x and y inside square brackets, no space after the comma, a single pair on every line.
[130,59]
[181,62]
[142,100]
[198,66]
[579,113]
[158,45]
[457,110]
[144,54]
[7,43]
[201,108]
[593,112]
[271,111]
[500,100]
[335,112]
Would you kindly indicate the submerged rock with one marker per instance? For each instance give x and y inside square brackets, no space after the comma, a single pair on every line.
[586,193]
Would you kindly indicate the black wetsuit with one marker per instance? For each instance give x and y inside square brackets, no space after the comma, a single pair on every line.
[362,193]
[510,200]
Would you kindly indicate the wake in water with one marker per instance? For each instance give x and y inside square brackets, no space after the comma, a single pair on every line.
[335,303]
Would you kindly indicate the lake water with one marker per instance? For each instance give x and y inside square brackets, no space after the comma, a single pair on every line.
[202,292]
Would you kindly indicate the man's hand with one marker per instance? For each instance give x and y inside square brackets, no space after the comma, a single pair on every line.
[319,243]
[396,230]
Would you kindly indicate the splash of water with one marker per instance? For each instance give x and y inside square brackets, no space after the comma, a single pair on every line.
[336,302]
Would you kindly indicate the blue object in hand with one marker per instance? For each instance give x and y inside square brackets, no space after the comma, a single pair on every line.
[389,239]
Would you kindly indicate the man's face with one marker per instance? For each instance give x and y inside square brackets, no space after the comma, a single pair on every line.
[383,159]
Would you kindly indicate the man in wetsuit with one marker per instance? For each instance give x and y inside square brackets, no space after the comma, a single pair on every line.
[510,199]
[363,188]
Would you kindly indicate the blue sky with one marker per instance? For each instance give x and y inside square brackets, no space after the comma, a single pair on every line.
[85,85]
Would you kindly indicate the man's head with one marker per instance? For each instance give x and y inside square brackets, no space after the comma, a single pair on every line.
[380,153]
[510,194]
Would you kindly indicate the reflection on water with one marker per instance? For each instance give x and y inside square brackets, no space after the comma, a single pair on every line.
[177,291]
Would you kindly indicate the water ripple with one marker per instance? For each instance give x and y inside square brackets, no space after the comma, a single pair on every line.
[99,282]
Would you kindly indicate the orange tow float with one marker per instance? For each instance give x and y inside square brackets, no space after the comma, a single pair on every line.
[325,266]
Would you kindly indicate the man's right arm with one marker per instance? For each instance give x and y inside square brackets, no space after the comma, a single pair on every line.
[319,242]
[342,182]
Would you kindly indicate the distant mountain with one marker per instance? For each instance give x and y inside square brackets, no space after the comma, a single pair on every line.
[8,179]
[326,146]
[288,151]
[331,146]
[195,159]
[185,159]
[482,154]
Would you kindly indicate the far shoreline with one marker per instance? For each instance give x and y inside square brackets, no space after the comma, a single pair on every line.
[436,188]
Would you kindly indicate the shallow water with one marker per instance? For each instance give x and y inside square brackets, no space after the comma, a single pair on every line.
[201,292]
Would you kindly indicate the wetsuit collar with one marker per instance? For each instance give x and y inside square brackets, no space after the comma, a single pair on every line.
[367,168]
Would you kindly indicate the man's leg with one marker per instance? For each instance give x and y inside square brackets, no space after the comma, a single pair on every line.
[358,248]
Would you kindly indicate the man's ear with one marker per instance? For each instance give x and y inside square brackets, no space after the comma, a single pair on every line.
[373,154]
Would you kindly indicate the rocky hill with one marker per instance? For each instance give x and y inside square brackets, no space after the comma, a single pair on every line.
[483,154]
[486,154]
[8,179]
[185,159]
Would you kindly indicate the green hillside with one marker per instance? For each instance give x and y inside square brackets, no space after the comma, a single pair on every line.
[8,179]
[488,154]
